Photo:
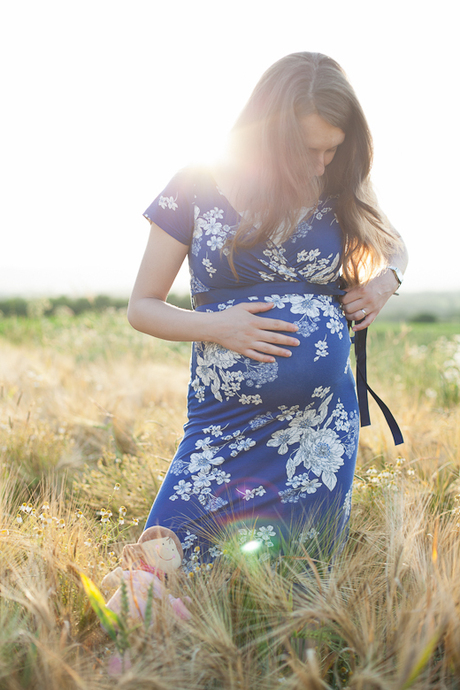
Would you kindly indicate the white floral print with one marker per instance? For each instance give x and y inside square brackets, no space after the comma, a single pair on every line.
[213,371]
[347,504]
[203,467]
[321,349]
[168,202]
[314,445]
[247,494]
[209,227]
[242,449]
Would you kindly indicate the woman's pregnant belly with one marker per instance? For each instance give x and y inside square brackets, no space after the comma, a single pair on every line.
[225,384]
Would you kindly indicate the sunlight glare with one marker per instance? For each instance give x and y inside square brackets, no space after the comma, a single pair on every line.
[251,546]
[209,147]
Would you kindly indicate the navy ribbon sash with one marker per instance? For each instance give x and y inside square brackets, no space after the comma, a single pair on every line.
[216,295]
[363,388]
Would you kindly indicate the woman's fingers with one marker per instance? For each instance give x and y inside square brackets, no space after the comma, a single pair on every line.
[361,324]
[267,350]
[359,312]
[272,331]
[356,309]
[364,302]
[269,324]
[259,338]
[261,357]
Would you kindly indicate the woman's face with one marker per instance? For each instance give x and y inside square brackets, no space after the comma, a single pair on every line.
[322,141]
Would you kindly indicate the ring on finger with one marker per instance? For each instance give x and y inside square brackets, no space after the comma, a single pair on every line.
[364,312]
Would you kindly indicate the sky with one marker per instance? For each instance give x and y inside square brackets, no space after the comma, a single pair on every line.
[103,101]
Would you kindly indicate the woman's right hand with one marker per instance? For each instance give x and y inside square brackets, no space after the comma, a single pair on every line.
[241,330]
[237,328]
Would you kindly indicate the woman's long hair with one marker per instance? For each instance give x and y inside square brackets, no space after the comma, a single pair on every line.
[268,136]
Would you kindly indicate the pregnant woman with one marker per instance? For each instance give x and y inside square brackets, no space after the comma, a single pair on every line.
[285,243]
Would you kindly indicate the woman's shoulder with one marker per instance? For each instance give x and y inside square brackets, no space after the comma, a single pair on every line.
[181,191]
[194,178]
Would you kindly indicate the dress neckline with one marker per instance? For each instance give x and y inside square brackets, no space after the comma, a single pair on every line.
[307,213]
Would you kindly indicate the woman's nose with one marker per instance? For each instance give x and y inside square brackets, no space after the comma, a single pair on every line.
[319,165]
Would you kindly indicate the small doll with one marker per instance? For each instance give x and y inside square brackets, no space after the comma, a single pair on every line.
[157,553]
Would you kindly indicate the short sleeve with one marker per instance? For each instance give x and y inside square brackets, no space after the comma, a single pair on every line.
[173,209]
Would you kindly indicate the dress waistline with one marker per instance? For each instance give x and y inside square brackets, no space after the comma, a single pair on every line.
[217,295]
[264,290]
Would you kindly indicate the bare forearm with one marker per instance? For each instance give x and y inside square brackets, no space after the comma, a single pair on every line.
[239,328]
[162,320]
[400,258]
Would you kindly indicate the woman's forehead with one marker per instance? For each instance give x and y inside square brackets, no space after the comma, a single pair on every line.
[319,134]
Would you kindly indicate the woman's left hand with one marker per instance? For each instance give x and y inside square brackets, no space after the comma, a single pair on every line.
[363,302]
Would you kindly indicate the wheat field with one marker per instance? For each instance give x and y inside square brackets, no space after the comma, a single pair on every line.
[90,415]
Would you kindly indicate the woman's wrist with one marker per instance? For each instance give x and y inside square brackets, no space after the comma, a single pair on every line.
[398,274]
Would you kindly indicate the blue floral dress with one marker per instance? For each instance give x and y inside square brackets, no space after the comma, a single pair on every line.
[269,449]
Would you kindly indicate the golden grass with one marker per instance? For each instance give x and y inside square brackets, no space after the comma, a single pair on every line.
[88,424]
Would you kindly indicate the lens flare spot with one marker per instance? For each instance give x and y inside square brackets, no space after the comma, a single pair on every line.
[251,546]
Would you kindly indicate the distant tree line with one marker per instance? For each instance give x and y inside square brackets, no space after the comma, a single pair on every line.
[61,306]
[54,306]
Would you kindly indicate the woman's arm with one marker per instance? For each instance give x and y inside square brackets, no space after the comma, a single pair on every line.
[238,328]
[373,296]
